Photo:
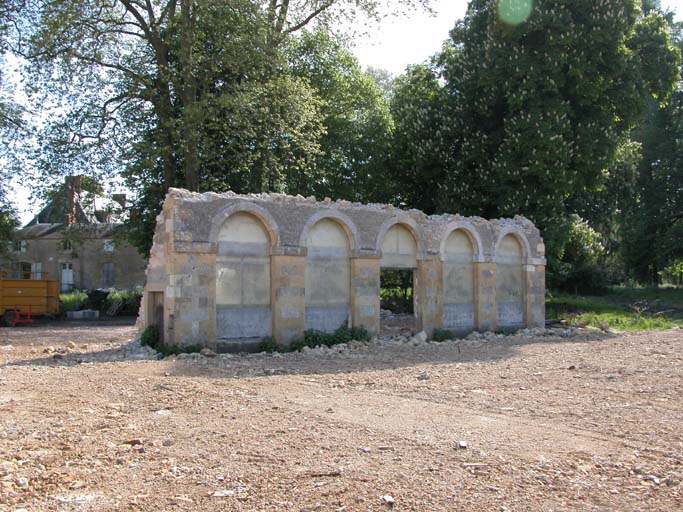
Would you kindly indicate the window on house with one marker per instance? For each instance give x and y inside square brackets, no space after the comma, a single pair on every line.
[19,246]
[108,246]
[66,245]
[20,270]
[37,270]
[108,275]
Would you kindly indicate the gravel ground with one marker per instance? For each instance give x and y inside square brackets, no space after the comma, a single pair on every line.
[543,421]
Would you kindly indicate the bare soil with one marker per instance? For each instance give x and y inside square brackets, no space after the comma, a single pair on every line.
[591,423]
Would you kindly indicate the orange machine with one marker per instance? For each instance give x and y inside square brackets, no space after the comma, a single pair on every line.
[26,294]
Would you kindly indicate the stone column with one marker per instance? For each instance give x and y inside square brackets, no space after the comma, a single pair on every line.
[485,297]
[365,291]
[288,271]
[190,297]
[535,295]
[429,299]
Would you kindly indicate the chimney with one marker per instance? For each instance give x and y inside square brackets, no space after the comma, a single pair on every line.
[72,188]
[120,199]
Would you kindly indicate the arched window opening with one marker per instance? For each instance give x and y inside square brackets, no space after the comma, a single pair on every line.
[458,282]
[509,282]
[243,307]
[328,277]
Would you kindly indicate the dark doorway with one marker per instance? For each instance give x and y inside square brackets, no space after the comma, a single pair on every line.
[397,300]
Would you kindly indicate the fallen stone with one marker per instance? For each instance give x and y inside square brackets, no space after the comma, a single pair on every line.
[462,445]
[420,337]
[222,494]
[653,479]
[207,352]
[388,499]
[423,376]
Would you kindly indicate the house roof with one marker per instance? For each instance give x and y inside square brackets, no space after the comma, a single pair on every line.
[98,230]
[88,208]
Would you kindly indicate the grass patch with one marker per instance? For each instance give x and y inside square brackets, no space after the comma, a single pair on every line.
[663,294]
[639,310]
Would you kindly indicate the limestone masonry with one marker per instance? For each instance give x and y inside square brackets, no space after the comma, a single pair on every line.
[227,268]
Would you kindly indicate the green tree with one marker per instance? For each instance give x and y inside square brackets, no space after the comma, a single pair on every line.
[653,238]
[11,130]
[540,107]
[422,137]
[355,116]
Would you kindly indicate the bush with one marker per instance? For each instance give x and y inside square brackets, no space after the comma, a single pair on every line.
[582,267]
[150,338]
[130,300]
[73,301]
[443,335]
[269,345]
[96,299]
[313,338]
[506,331]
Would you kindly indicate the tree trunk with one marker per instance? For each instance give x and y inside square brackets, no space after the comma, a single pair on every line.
[188,93]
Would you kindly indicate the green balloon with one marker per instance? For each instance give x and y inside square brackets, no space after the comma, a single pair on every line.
[514,12]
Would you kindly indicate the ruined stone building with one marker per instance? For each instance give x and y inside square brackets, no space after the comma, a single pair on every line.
[227,268]
[73,240]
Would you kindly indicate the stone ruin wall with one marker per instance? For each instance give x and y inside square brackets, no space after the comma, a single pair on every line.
[226,268]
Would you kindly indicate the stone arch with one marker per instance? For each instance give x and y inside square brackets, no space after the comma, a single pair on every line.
[471,233]
[243,281]
[409,225]
[510,256]
[327,294]
[340,218]
[245,207]
[459,251]
[521,238]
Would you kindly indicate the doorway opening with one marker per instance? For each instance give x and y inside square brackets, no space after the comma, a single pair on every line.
[397,301]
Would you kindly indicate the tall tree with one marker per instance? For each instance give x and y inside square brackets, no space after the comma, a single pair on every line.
[422,137]
[355,116]
[11,130]
[541,104]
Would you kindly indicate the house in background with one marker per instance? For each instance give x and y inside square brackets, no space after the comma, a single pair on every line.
[73,240]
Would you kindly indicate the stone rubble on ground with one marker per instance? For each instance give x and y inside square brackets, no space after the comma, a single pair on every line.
[357,349]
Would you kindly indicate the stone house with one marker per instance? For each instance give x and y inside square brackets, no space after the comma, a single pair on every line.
[229,268]
[74,241]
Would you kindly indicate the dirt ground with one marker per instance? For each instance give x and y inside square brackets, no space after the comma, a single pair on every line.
[592,422]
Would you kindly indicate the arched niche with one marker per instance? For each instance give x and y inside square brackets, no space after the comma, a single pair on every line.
[399,248]
[458,281]
[243,308]
[510,289]
[328,276]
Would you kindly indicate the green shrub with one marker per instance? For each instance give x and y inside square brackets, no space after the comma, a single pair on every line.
[72,301]
[130,300]
[582,267]
[506,331]
[268,344]
[150,336]
[443,335]
[313,338]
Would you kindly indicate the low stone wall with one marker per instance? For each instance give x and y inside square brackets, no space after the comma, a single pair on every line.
[227,267]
